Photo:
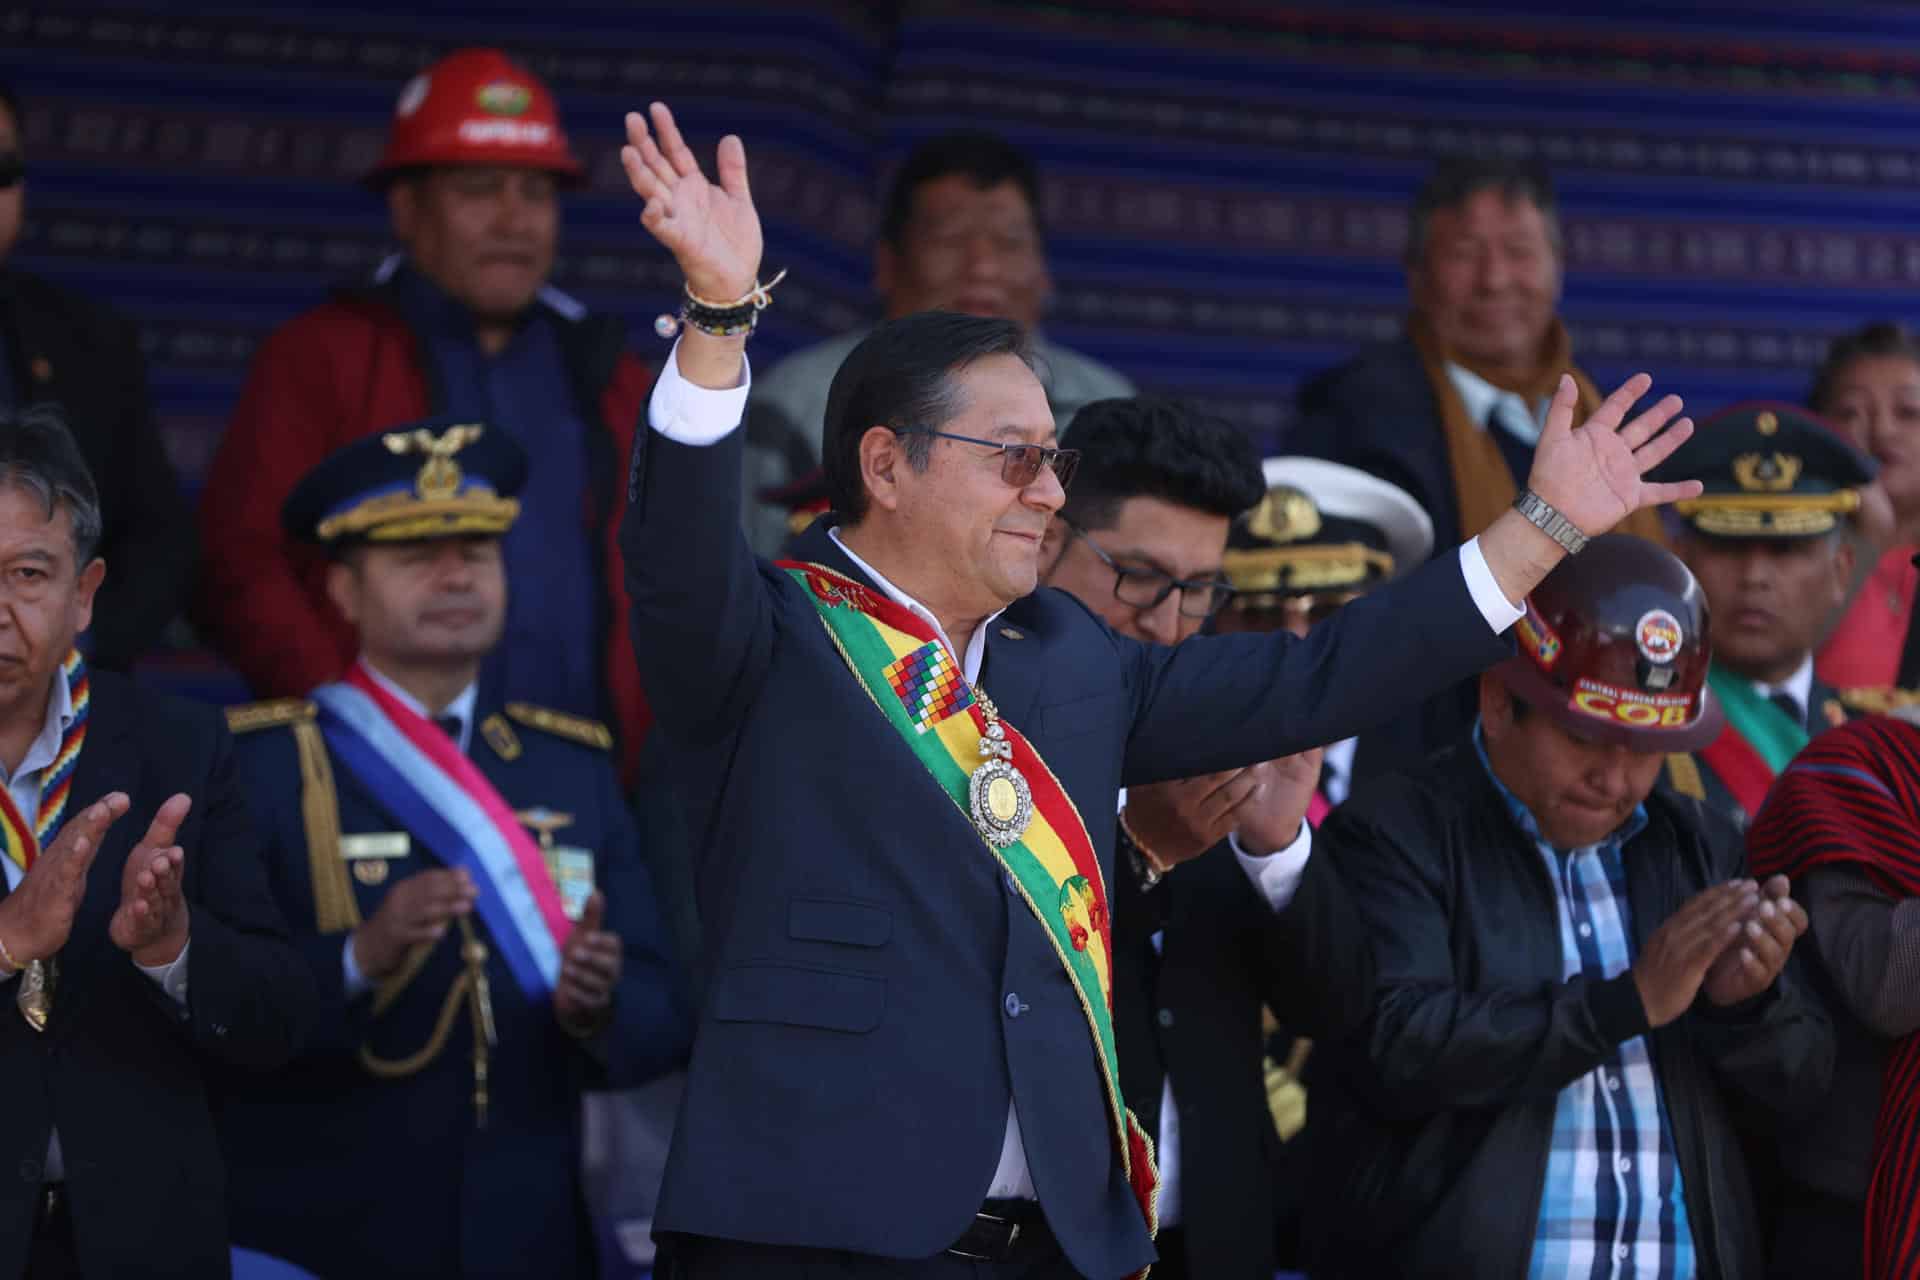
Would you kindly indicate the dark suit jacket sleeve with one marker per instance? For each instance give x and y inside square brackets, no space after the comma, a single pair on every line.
[1433,1044]
[652,1026]
[1776,1049]
[250,998]
[149,540]
[702,617]
[1221,702]
[1314,958]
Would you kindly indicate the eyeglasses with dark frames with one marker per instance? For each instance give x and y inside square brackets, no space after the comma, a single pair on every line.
[1146,588]
[1019,463]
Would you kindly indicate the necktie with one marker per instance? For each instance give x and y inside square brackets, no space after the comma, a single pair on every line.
[1790,706]
[1518,455]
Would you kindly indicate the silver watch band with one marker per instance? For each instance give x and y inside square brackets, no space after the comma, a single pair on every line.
[1547,518]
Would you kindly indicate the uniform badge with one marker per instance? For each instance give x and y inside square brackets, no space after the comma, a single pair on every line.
[371,872]
[570,866]
[1766,473]
[375,844]
[501,737]
[1658,635]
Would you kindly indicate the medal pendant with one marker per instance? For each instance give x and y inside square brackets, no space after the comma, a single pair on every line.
[997,794]
[35,997]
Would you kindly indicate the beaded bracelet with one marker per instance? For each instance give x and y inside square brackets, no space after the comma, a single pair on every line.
[720,319]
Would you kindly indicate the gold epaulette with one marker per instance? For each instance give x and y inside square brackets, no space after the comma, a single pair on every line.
[1879,699]
[1683,775]
[589,733]
[249,716]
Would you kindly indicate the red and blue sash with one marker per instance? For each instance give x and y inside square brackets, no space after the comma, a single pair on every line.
[419,775]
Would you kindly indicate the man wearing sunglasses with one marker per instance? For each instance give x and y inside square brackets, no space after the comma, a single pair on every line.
[1250,921]
[899,761]
[57,347]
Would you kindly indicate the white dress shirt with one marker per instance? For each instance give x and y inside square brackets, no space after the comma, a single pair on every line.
[461,708]
[23,785]
[1481,398]
[698,416]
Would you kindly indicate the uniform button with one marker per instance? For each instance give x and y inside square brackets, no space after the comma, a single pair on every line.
[1613,1084]
[1586,930]
[1626,1165]
[1015,1006]
[1166,1017]
[1621,1252]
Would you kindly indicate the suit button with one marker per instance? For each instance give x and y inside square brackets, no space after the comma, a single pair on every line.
[1165,1017]
[1014,1005]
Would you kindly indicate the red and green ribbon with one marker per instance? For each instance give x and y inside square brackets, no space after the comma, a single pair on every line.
[914,681]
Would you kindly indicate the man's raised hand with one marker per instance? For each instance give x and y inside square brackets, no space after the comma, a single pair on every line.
[37,916]
[150,923]
[1594,473]
[712,230]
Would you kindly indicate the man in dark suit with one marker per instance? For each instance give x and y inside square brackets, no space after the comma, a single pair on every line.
[1771,543]
[901,759]
[429,846]
[1451,410]
[130,959]
[57,347]
[1254,920]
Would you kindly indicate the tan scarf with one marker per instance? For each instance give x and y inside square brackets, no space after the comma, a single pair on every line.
[1483,487]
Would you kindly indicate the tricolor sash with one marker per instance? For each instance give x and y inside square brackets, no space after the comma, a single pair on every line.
[435,792]
[913,679]
[1757,743]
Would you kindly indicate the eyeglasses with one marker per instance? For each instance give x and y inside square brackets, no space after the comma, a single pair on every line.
[13,169]
[1019,463]
[1146,588]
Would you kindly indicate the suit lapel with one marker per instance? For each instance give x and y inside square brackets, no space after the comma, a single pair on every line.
[1011,672]
[109,762]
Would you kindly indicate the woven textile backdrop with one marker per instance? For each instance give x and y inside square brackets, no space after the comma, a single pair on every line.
[1225,183]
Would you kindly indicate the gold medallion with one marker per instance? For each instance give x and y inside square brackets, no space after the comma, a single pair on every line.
[371,872]
[998,796]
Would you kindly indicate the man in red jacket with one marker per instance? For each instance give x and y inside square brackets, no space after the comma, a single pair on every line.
[461,322]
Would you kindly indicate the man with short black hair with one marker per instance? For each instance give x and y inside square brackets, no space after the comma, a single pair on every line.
[125,981]
[1252,921]
[59,348]
[959,231]
[901,759]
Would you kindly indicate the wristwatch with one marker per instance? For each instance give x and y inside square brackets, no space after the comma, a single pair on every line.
[1547,518]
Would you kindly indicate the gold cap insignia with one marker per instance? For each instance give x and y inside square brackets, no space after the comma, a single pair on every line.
[440,475]
[1768,423]
[1766,472]
[1285,514]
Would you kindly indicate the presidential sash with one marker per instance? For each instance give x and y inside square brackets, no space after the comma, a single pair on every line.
[999,783]
[419,775]
[1757,743]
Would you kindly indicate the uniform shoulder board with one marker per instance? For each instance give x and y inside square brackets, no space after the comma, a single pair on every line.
[268,715]
[1683,775]
[1879,699]
[590,733]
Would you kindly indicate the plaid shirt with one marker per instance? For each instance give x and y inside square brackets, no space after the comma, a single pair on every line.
[1612,1205]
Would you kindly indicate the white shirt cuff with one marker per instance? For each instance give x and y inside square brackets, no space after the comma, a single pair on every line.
[686,414]
[355,981]
[1277,875]
[171,978]
[1492,602]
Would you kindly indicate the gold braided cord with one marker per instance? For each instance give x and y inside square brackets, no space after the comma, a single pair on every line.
[396,1068]
[334,907]
[1838,500]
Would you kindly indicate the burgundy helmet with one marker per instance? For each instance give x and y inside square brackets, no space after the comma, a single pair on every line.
[1614,647]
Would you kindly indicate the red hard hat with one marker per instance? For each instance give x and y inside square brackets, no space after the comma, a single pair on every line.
[1614,647]
[476,106]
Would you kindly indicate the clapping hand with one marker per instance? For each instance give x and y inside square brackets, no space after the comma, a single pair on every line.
[151,921]
[589,970]
[1759,952]
[37,916]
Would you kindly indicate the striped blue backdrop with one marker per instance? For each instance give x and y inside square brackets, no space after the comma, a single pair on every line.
[1225,180]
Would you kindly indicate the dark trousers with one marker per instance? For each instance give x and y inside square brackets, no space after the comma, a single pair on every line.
[702,1258]
[52,1255]
[1818,1235]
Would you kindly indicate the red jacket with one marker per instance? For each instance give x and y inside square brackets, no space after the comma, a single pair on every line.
[344,370]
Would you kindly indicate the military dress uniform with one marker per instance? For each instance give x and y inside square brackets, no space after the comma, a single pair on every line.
[432,1128]
[1770,472]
